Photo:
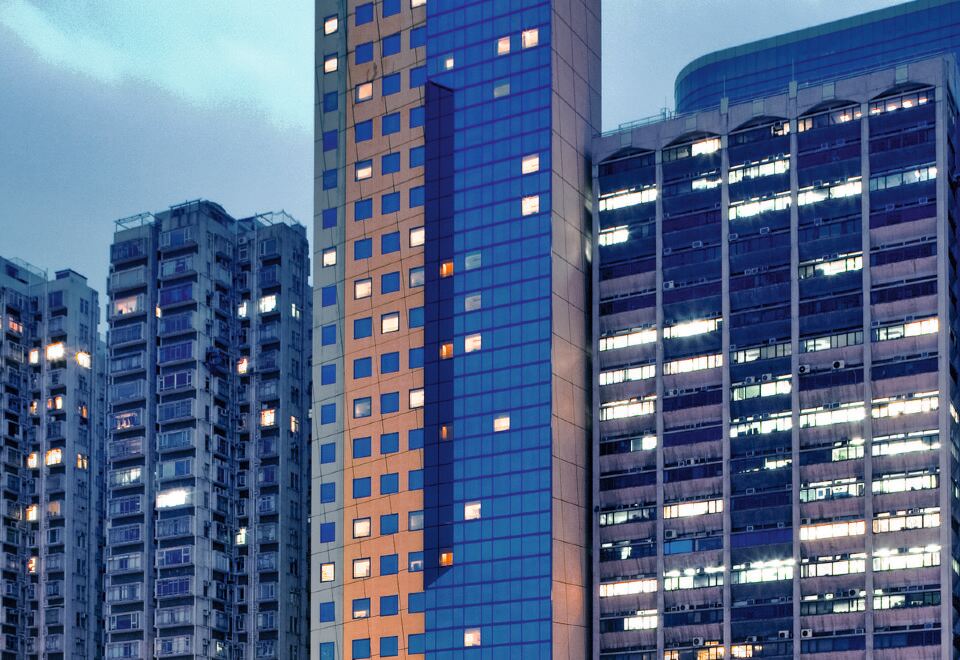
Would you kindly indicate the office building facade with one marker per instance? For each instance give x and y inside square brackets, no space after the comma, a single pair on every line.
[53,430]
[208,469]
[776,375]
[452,265]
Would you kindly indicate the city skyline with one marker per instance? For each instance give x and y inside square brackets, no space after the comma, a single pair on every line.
[92,125]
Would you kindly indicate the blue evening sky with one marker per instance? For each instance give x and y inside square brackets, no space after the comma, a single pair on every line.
[113,107]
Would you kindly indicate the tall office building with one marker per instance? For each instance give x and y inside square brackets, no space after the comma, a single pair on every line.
[776,374]
[53,437]
[452,269]
[208,436]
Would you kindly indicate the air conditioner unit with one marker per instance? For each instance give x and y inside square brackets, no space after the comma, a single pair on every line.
[749,380]
[668,284]
[772,340]
[783,634]
[851,592]
[803,369]
[806,633]
[750,527]
[764,230]
[858,631]
[669,533]
[733,236]
[683,607]
[839,364]
[698,641]
[751,491]
[751,639]
[766,378]
[804,521]
[697,244]
[781,525]
[673,392]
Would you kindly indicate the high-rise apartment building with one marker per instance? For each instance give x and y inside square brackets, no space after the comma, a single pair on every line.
[208,475]
[452,354]
[52,465]
[776,374]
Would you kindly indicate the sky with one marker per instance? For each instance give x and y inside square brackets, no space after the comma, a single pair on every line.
[109,108]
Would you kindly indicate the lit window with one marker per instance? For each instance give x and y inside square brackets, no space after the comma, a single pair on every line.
[901,483]
[625,198]
[445,432]
[634,337]
[361,528]
[446,351]
[846,564]
[84,360]
[691,328]
[416,398]
[771,570]
[825,268]
[173,498]
[693,578]
[243,364]
[471,637]
[390,322]
[529,38]
[418,3]
[832,530]
[695,508]
[755,206]
[472,302]
[294,311]
[811,195]
[242,310]
[267,304]
[446,558]
[697,363]
[630,408]
[362,288]
[328,571]
[241,539]
[929,326]
[35,356]
[268,417]
[758,169]
[530,164]
[361,608]
[364,93]
[614,235]
[641,372]
[33,460]
[471,511]
[906,558]
[473,260]
[56,351]
[628,587]
[842,414]
[54,457]
[294,424]
[708,146]
[32,565]
[363,170]
[530,205]
[643,620]
[503,46]
[32,512]
[501,89]
[905,404]
[501,424]
[762,387]
[472,343]
[330,63]
[416,236]
[330,24]
[446,269]
[83,462]
[831,490]
[361,568]
[329,257]
[905,443]
[448,63]
[897,521]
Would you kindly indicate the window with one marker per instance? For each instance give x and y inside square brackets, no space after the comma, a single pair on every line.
[446,351]
[503,46]
[389,605]
[364,13]
[329,258]
[418,76]
[501,423]
[390,362]
[328,453]
[416,157]
[329,218]
[415,562]
[391,7]
[361,407]
[447,63]
[363,170]
[389,443]
[390,45]
[361,608]
[328,295]
[389,524]
[390,282]
[472,302]
[390,242]
[328,493]
[364,92]
[530,205]
[361,447]
[416,236]
[328,413]
[530,164]
[362,249]
[362,328]
[416,277]
[328,532]
[328,572]
[361,528]
[360,649]
[472,261]
[416,196]
[501,89]
[389,402]
[330,140]
[363,53]
[363,130]
[446,269]
[471,637]
[529,38]
[362,288]
[471,511]
[390,84]
[330,63]
[416,317]
[418,37]
[390,123]
[362,368]
[390,322]
[390,163]
[415,358]
[389,483]
[330,101]
[390,203]
[330,24]
[417,116]
[418,3]
[472,343]
[416,398]
[446,558]
[361,488]
[415,521]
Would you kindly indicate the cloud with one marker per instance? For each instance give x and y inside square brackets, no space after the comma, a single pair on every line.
[236,54]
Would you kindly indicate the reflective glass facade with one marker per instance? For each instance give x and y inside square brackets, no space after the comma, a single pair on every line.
[911,31]
[776,376]
[451,458]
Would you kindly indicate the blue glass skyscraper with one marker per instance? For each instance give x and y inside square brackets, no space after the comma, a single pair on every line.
[451,391]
